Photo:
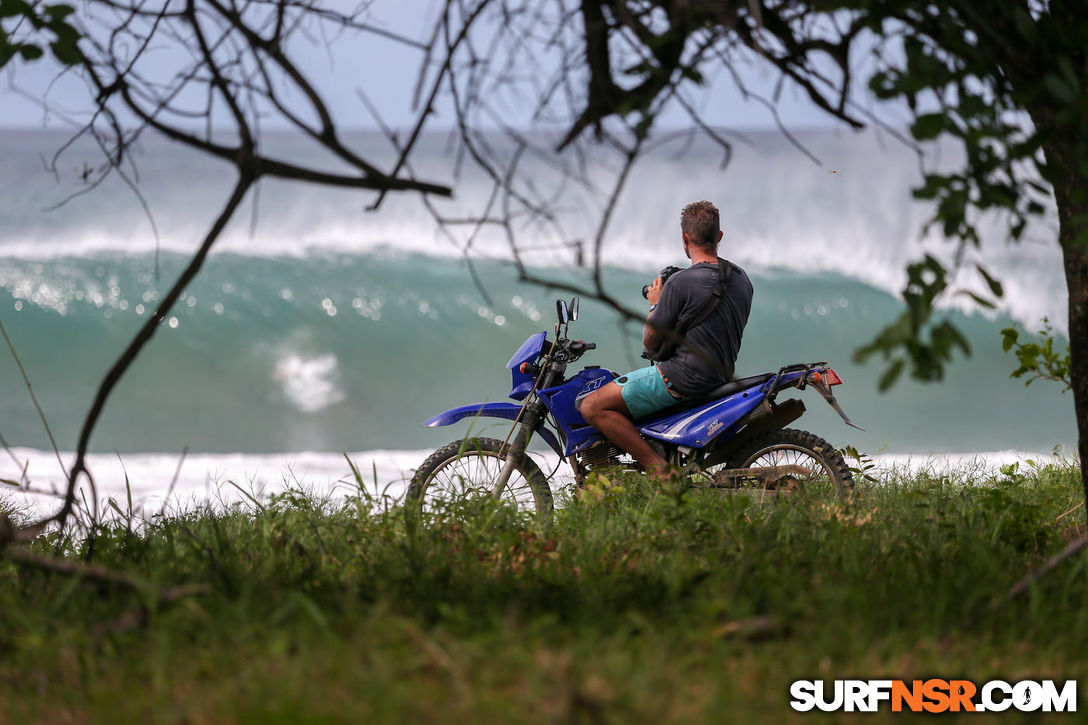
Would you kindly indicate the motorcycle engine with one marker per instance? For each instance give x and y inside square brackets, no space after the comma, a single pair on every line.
[601,455]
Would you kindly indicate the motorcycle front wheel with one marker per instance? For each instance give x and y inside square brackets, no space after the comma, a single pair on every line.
[471,467]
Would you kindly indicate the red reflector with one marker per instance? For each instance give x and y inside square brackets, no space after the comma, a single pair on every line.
[523,366]
[832,377]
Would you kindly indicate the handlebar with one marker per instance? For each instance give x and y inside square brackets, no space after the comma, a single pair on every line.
[562,352]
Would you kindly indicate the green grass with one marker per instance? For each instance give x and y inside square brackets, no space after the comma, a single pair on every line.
[637,603]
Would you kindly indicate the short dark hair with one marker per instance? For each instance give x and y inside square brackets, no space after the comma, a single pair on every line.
[702,222]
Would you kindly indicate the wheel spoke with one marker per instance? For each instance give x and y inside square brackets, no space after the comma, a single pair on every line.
[787,454]
[472,472]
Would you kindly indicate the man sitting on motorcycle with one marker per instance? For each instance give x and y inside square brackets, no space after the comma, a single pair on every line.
[693,331]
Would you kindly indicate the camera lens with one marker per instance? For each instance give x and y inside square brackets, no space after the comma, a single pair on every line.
[646,291]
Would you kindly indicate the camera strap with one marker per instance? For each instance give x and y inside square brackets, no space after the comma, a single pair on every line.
[725,271]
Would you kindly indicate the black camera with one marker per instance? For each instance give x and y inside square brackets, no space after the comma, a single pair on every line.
[665,274]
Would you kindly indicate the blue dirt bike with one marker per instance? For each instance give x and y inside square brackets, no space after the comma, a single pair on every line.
[734,438]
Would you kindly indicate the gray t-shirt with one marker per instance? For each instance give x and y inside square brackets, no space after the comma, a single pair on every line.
[682,298]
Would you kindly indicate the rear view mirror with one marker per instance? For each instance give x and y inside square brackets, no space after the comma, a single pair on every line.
[561,312]
[574,308]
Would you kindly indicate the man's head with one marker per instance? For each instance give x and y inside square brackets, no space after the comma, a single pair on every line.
[700,224]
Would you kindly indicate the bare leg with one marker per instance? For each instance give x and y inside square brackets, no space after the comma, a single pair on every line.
[605,410]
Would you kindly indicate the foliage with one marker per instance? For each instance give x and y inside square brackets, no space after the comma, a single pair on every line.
[927,280]
[860,464]
[950,80]
[25,27]
[1039,359]
[1001,81]
[636,603]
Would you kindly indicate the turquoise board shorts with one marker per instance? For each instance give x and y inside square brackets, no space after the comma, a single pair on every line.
[645,391]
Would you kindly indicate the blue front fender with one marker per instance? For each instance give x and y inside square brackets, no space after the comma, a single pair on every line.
[509,411]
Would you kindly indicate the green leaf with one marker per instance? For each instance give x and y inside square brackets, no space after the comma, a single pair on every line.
[980,301]
[1009,337]
[928,126]
[891,375]
[66,51]
[11,8]
[30,52]
[958,338]
[932,184]
[58,13]
[692,74]
[113,505]
[1038,360]
[995,286]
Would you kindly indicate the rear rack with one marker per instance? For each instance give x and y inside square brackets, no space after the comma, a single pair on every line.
[802,380]
[804,375]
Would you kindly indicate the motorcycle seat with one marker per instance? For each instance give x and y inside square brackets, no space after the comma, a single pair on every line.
[722,391]
[735,386]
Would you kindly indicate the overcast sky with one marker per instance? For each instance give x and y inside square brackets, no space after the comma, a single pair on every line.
[387,70]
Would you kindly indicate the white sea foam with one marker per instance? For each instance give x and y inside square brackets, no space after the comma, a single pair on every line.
[222,479]
[310,383]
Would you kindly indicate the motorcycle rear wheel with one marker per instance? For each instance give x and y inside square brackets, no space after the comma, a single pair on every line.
[469,467]
[792,447]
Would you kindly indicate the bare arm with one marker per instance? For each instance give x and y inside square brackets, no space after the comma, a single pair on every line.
[651,336]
